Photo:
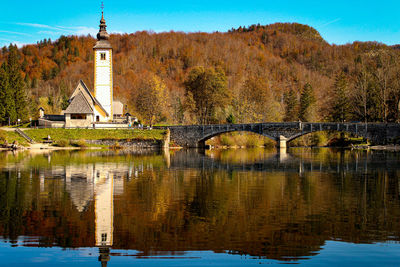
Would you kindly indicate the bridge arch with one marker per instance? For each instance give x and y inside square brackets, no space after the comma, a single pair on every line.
[209,136]
[298,135]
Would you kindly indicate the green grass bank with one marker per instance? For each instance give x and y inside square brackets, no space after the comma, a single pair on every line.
[39,135]
[10,137]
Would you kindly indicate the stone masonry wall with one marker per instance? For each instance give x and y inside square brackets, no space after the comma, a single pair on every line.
[129,144]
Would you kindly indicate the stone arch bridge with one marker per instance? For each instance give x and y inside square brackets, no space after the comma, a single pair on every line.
[282,132]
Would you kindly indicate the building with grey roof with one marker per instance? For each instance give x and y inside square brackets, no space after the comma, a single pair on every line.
[97,109]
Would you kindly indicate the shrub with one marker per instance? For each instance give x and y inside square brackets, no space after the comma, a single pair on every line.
[80,143]
[214,141]
[227,140]
[254,141]
[231,119]
[116,145]
[62,143]
[2,136]
[269,143]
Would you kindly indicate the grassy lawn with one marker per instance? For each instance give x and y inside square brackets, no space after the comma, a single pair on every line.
[94,134]
[11,136]
[22,125]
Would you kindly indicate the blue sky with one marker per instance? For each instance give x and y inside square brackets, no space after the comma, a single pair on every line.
[338,21]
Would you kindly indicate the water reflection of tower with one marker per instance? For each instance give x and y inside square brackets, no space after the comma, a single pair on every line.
[97,182]
[104,212]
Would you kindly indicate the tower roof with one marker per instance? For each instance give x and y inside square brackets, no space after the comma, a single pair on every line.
[102,35]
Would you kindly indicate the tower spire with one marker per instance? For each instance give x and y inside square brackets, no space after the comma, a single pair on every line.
[102,35]
[102,12]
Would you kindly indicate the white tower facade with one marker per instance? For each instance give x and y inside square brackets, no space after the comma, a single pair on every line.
[103,72]
[104,207]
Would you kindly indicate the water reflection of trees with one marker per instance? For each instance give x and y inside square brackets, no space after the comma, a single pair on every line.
[274,214]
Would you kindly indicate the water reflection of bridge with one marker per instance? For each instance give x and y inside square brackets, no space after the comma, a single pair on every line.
[286,162]
[291,160]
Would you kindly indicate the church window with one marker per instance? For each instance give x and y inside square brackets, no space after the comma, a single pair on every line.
[78,116]
[102,56]
[104,237]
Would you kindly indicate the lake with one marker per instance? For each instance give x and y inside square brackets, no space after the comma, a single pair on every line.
[195,208]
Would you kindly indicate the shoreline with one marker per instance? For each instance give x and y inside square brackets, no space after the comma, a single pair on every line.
[394,148]
[42,146]
[364,147]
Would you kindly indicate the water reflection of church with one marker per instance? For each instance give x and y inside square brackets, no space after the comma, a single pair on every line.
[99,182]
[99,185]
[95,183]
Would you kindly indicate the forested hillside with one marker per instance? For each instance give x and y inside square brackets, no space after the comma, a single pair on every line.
[278,72]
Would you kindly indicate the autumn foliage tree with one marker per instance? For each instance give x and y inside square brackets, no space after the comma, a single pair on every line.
[152,99]
[256,101]
[208,88]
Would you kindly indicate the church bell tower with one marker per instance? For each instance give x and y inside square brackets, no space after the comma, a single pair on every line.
[103,72]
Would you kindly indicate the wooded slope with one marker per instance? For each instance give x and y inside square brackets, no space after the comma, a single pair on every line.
[261,73]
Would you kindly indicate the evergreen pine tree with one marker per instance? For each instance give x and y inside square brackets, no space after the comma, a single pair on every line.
[7,96]
[3,89]
[291,109]
[307,101]
[340,105]
[18,104]
[64,102]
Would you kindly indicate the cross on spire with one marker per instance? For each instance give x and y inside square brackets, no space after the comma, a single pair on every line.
[102,7]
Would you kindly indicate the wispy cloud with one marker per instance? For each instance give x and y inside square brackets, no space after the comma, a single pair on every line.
[8,41]
[51,32]
[19,44]
[117,32]
[58,30]
[17,33]
[331,22]
[37,25]
[87,30]
[80,30]
[39,30]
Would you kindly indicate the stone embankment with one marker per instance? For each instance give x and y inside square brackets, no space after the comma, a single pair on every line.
[65,139]
[135,144]
[128,144]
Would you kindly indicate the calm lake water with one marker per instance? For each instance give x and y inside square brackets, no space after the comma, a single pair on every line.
[188,208]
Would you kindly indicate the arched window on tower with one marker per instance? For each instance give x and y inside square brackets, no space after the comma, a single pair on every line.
[104,237]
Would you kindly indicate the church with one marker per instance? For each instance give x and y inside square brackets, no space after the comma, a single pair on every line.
[97,110]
